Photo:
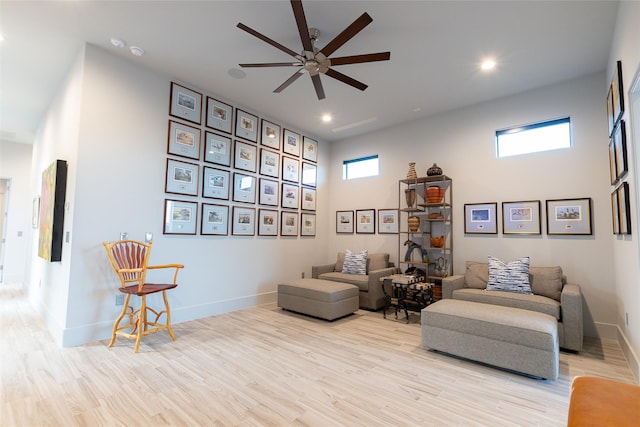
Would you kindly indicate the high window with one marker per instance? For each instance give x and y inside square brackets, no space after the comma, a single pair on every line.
[543,136]
[360,168]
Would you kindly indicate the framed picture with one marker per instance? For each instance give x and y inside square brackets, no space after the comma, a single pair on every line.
[290,169]
[270,136]
[289,197]
[244,221]
[613,173]
[246,125]
[480,218]
[291,143]
[624,208]
[180,217]
[219,115]
[307,224]
[309,149]
[288,223]
[521,217]
[366,221]
[344,222]
[268,192]
[185,103]
[267,222]
[610,120]
[217,149]
[182,178]
[618,94]
[569,216]
[51,217]
[245,157]
[308,197]
[309,172]
[620,141]
[215,183]
[244,188]
[388,221]
[615,215]
[184,140]
[269,163]
[215,220]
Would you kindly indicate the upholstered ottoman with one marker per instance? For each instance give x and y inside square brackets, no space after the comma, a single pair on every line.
[511,338]
[603,402]
[325,299]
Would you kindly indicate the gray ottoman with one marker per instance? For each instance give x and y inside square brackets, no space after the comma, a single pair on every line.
[511,338]
[320,298]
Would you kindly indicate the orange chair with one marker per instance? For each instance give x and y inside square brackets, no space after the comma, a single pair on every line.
[129,259]
[603,402]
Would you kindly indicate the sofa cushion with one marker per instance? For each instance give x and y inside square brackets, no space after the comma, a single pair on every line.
[538,303]
[339,262]
[359,280]
[377,262]
[510,277]
[477,275]
[546,281]
[355,263]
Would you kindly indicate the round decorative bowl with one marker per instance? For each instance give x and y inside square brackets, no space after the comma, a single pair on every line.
[437,242]
[433,194]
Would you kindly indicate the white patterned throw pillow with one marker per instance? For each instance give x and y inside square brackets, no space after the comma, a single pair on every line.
[355,263]
[511,277]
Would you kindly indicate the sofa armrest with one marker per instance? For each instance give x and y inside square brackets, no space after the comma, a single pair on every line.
[450,284]
[317,270]
[572,320]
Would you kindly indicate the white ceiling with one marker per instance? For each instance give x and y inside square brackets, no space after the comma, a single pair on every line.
[436,47]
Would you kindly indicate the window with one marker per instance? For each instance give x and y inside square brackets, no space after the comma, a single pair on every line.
[360,168]
[543,136]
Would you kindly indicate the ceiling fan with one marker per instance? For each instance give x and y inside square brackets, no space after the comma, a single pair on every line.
[316,61]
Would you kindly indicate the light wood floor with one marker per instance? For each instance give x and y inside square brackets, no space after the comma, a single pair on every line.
[266,367]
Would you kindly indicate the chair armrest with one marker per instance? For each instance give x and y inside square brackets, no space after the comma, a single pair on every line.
[450,284]
[317,270]
[176,266]
[572,320]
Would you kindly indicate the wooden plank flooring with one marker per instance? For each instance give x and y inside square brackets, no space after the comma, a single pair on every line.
[267,367]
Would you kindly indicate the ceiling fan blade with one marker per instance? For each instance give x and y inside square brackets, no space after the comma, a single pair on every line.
[290,80]
[357,59]
[272,64]
[303,28]
[267,39]
[317,84]
[353,29]
[345,79]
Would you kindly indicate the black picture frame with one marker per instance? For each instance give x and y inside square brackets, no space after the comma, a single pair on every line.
[181,217]
[219,115]
[569,216]
[345,222]
[246,125]
[214,220]
[481,218]
[365,221]
[624,208]
[183,140]
[620,141]
[521,217]
[618,94]
[51,216]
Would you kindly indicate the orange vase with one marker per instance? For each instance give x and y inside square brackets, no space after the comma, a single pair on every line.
[433,194]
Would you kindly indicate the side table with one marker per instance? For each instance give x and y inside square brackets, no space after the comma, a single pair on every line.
[405,293]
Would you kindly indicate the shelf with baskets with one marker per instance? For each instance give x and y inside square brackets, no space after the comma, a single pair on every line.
[425,239]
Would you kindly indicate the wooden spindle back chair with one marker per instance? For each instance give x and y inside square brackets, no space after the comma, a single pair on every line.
[129,259]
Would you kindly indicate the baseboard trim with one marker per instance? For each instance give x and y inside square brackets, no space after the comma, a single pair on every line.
[606,331]
[630,355]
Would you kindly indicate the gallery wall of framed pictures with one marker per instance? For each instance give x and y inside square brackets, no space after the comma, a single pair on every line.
[618,161]
[235,173]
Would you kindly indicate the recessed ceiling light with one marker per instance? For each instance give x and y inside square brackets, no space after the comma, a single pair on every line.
[237,73]
[417,110]
[136,51]
[117,42]
[488,64]
[326,118]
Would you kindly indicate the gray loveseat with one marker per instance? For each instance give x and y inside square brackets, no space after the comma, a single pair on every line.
[551,295]
[371,296]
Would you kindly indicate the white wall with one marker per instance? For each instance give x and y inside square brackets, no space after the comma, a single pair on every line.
[118,185]
[15,164]
[625,248]
[462,142]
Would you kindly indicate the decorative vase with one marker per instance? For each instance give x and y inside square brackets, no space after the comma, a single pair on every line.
[437,242]
[434,170]
[412,174]
[414,223]
[433,194]
[410,196]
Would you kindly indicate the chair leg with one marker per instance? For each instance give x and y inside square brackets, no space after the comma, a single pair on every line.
[142,321]
[119,319]
[168,310]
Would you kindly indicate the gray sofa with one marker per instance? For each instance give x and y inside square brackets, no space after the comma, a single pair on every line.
[551,295]
[371,296]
